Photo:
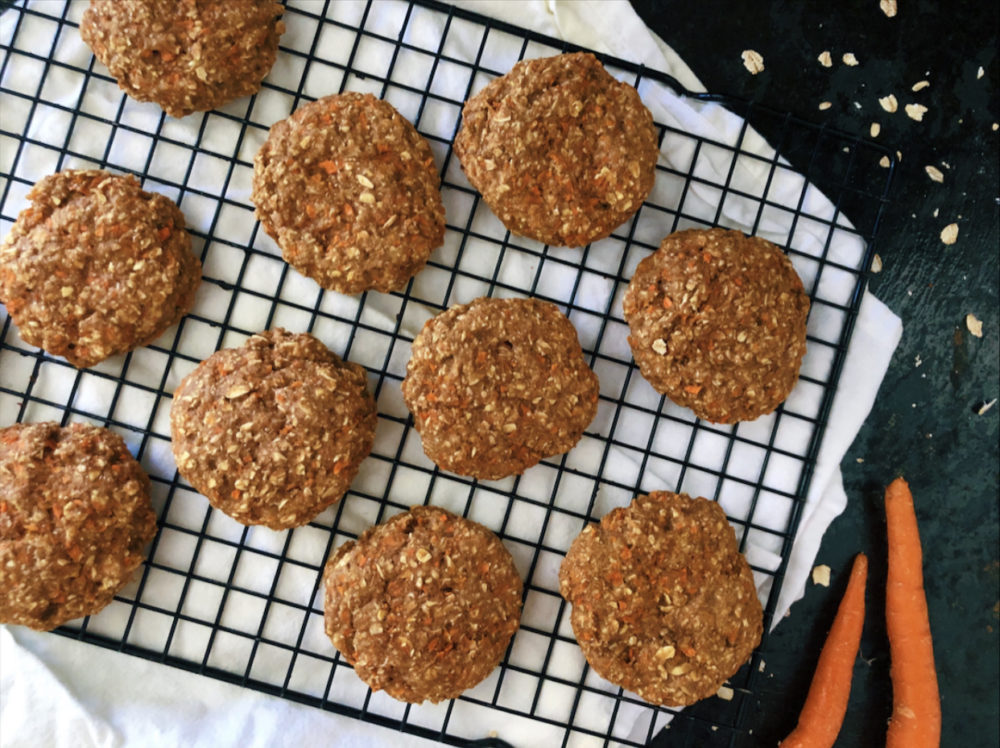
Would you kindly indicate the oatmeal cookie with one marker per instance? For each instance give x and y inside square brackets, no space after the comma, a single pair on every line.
[75,518]
[718,323]
[423,605]
[185,55]
[560,150]
[96,266]
[664,604]
[273,432]
[348,189]
[497,385]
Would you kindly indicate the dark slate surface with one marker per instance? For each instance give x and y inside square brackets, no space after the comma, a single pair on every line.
[925,424]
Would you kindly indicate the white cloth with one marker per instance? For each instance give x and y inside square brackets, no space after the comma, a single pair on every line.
[59,692]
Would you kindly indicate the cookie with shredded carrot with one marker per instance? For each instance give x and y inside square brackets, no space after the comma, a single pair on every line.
[75,518]
[185,55]
[273,432]
[718,323]
[96,266]
[497,385]
[348,189]
[423,605]
[664,604]
[561,151]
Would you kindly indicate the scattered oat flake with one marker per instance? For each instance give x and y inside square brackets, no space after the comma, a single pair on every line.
[850,59]
[876,264]
[974,324]
[936,211]
[752,61]
[889,103]
[920,85]
[980,73]
[824,59]
[824,105]
[875,129]
[917,361]
[888,7]
[935,174]
[884,162]
[986,406]
[725,693]
[821,575]
[860,460]
[915,111]
[996,126]
[949,234]
[760,667]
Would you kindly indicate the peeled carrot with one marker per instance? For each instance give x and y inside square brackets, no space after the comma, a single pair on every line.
[916,704]
[826,703]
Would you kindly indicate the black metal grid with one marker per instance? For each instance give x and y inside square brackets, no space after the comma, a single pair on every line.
[244,604]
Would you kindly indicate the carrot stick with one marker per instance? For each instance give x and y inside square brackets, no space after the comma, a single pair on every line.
[826,703]
[916,704]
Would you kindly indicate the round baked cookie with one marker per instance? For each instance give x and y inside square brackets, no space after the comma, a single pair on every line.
[664,604]
[96,266]
[185,55]
[273,432]
[423,605]
[718,323]
[560,150]
[348,189]
[75,517]
[497,385]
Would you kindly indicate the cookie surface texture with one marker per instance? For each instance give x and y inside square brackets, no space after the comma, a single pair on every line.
[560,150]
[497,385]
[718,323]
[423,605]
[273,432]
[75,518]
[348,189]
[664,604]
[96,266]
[185,55]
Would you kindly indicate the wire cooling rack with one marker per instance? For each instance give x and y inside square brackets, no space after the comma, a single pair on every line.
[244,605]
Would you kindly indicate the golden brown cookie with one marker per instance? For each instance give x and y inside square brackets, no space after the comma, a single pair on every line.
[423,605]
[664,604]
[497,385]
[96,266]
[718,323]
[75,517]
[273,432]
[560,150]
[186,55]
[348,189]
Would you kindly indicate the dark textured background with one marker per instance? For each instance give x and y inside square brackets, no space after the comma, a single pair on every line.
[925,424]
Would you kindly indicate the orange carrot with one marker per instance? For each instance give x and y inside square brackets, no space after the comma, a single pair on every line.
[826,703]
[916,704]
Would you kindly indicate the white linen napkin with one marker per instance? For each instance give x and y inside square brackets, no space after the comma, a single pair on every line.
[104,698]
